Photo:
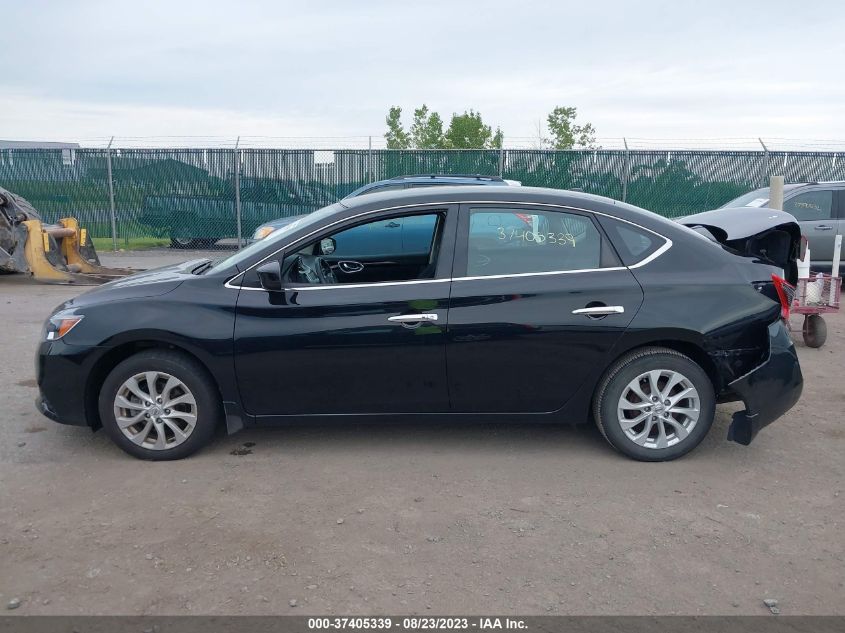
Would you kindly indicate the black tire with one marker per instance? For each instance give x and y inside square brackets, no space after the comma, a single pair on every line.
[624,371]
[192,242]
[814,330]
[184,369]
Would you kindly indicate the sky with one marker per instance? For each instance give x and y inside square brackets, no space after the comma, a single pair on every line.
[85,70]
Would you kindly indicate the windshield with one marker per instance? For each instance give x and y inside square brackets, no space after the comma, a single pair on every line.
[756,198]
[237,258]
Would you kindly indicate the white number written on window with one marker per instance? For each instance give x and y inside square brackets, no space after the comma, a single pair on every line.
[520,235]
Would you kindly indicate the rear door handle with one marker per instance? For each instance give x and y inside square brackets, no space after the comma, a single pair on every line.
[413,318]
[824,227]
[600,310]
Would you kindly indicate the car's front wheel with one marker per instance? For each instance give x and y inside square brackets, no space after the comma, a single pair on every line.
[655,404]
[159,405]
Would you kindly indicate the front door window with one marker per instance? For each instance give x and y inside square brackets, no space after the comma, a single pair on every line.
[402,248]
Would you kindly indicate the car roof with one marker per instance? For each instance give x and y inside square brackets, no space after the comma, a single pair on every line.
[429,179]
[798,185]
[524,195]
[466,193]
[813,183]
[439,179]
[446,177]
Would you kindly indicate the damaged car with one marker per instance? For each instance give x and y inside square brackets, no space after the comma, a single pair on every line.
[511,304]
[818,207]
[772,236]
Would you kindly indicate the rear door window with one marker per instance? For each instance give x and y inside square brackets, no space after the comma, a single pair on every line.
[811,205]
[506,241]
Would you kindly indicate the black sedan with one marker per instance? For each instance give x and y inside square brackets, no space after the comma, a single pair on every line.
[519,304]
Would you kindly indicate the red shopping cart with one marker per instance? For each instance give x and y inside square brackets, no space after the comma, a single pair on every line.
[813,296]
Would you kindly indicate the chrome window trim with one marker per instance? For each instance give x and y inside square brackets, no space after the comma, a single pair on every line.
[666,246]
[656,253]
[363,285]
[540,273]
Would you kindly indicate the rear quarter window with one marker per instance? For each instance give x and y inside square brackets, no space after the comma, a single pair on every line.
[633,243]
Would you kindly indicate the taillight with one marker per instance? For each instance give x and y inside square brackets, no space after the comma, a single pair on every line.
[786,292]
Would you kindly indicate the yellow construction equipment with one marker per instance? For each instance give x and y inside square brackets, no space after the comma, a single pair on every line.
[59,253]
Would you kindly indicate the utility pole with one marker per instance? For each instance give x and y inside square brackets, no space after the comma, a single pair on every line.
[764,172]
[111,197]
[626,166]
[776,193]
[370,159]
[238,192]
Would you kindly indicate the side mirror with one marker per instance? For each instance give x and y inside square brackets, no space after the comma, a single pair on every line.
[327,246]
[270,275]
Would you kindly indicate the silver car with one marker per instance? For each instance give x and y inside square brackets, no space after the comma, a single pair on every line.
[819,208]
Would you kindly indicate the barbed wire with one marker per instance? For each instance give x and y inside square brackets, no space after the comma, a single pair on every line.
[378,142]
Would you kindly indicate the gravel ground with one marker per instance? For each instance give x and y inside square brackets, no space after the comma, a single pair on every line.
[374,519]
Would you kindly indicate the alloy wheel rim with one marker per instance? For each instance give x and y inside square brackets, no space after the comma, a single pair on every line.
[659,409]
[155,410]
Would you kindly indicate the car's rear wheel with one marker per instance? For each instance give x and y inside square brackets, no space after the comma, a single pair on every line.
[655,404]
[159,405]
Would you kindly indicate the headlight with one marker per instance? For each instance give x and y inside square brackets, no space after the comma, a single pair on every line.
[60,324]
[263,231]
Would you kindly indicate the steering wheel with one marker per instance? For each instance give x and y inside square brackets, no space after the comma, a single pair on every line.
[327,272]
[313,269]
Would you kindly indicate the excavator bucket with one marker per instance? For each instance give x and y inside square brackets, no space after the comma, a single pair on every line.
[60,253]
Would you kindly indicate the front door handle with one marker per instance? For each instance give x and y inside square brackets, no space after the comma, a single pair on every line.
[824,227]
[392,225]
[413,318]
[349,267]
[600,310]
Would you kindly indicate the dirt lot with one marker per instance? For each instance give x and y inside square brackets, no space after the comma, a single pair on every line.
[427,519]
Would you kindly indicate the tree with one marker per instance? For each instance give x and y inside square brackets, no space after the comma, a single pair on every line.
[566,134]
[396,136]
[498,138]
[467,131]
[427,129]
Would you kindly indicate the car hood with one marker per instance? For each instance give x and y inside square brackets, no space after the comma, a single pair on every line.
[736,223]
[149,283]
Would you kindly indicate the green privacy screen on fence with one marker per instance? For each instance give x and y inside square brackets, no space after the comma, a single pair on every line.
[190,194]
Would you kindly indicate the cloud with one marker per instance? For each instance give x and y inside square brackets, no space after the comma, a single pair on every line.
[652,68]
[49,119]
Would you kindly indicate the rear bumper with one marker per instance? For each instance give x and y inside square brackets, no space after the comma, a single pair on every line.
[769,390]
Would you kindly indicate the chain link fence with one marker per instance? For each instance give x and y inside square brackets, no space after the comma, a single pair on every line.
[195,197]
